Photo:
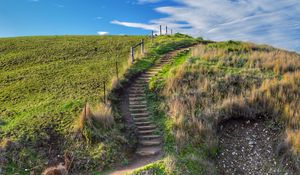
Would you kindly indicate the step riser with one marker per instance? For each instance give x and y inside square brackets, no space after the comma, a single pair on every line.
[137,106]
[148,137]
[141,110]
[134,95]
[145,127]
[141,119]
[137,99]
[137,112]
[147,132]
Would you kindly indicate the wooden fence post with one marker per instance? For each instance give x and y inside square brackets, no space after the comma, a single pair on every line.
[117,71]
[171,31]
[160,30]
[142,46]
[166,30]
[152,36]
[132,54]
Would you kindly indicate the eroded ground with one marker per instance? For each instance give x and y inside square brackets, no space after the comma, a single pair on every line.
[248,147]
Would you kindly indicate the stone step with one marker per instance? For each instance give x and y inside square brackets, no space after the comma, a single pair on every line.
[144,79]
[137,98]
[154,69]
[139,114]
[142,94]
[146,132]
[146,75]
[140,110]
[134,88]
[137,91]
[148,125]
[137,102]
[148,137]
[142,119]
[143,123]
[137,106]
[148,151]
[139,85]
[153,142]
[153,73]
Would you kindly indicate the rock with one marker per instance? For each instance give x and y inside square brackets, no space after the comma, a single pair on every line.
[251,142]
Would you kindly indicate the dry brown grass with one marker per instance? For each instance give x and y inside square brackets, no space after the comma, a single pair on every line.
[249,83]
[101,116]
[278,61]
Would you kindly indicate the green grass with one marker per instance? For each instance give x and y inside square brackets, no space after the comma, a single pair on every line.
[45,82]
[45,79]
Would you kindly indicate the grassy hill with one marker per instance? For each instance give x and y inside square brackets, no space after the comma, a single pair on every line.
[44,84]
[216,82]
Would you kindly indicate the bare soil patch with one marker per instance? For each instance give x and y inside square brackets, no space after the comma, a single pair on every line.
[248,147]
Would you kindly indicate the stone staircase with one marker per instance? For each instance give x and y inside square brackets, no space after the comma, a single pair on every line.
[149,137]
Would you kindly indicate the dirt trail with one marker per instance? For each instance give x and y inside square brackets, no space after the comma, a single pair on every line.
[135,112]
[247,147]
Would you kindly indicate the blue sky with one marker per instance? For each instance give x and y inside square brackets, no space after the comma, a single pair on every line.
[263,21]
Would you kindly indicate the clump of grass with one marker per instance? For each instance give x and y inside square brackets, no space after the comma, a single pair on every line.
[93,122]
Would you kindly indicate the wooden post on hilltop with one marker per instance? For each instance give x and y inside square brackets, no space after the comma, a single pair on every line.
[142,46]
[160,30]
[171,31]
[132,54]
[117,71]
[104,93]
[152,36]
[166,30]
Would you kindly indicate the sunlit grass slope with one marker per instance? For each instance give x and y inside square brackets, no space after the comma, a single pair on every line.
[45,80]
[44,84]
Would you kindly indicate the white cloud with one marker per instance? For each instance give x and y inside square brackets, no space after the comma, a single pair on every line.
[102,33]
[262,21]
[136,25]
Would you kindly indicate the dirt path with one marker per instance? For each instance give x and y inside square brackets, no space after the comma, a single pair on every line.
[247,147]
[135,112]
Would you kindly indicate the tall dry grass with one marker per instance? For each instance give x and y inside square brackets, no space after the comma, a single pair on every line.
[221,85]
[92,123]
[278,61]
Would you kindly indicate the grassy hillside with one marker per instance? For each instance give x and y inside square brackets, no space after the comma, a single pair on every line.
[218,81]
[45,83]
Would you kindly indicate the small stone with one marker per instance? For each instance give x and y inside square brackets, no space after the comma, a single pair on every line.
[248,121]
[252,142]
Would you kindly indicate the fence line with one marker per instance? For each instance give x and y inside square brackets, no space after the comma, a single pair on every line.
[132,50]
